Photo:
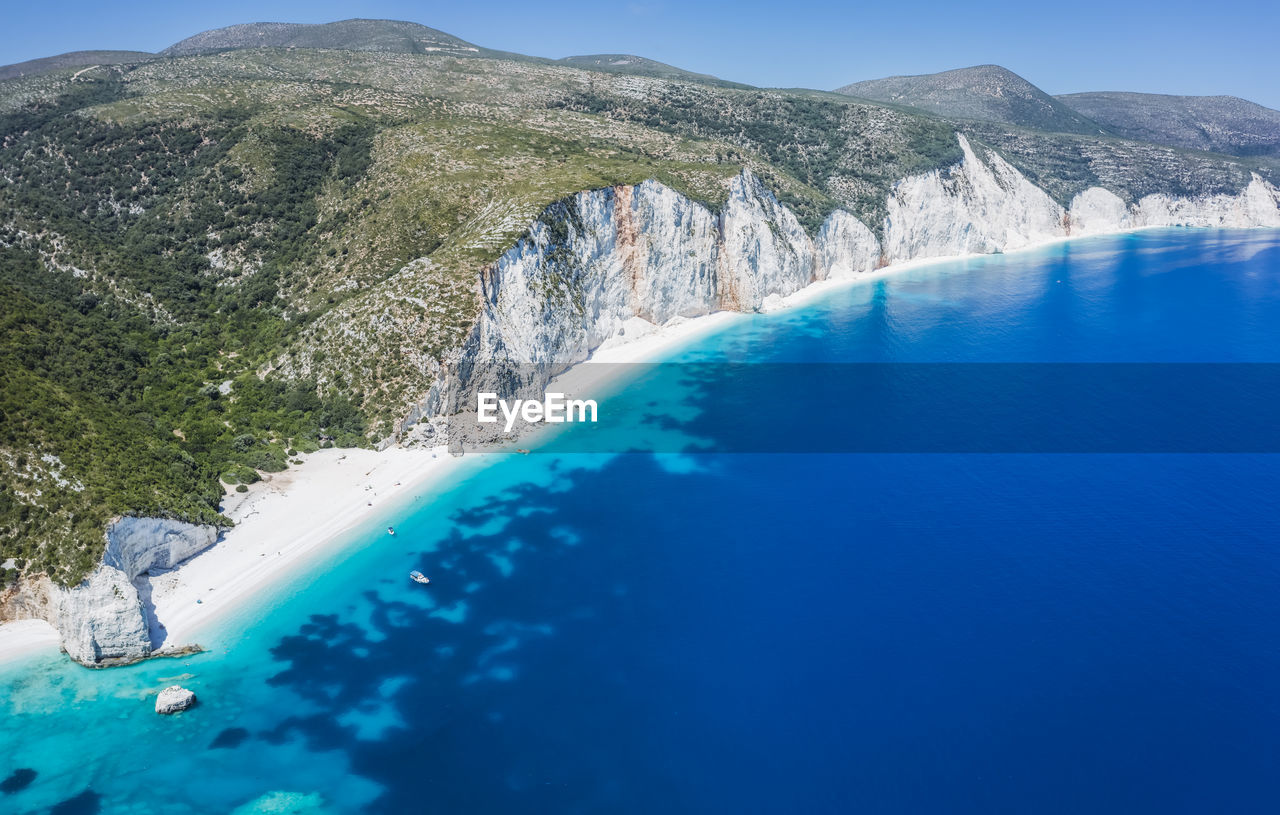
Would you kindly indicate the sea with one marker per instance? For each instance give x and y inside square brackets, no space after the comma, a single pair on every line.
[1047,582]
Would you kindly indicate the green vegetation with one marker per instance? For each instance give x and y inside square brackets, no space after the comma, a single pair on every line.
[848,154]
[112,401]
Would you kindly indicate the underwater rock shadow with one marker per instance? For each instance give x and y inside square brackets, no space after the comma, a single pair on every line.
[444,714]
[86,803]
[230,738]
[18,780]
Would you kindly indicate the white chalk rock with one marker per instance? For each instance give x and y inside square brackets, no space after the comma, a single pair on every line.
[845,247]
[174,699]
[974,207]
[1257,205]
[1096,211]
[102,621]
[766,250]
[646,253]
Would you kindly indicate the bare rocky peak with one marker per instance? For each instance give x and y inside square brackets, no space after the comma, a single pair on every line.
[983,92]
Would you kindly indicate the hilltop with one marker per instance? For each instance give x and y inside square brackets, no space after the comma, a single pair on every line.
[385,36]
[378,36]
[642,66]
[984,92]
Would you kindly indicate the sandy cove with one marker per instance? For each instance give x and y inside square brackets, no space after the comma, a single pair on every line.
[280,522]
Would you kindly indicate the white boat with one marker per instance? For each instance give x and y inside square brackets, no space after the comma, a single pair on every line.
[418,577]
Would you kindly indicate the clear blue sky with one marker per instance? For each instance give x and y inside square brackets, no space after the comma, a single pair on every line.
[1228,46]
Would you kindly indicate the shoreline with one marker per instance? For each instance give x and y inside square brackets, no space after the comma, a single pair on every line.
[281,525]
[298,515]
[819,288]
[290,518]
[20,638]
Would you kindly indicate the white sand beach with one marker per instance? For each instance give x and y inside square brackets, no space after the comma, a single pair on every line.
[283,521]
[21,637]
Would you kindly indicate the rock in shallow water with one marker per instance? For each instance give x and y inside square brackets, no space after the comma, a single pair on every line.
[173,699]
[283,802]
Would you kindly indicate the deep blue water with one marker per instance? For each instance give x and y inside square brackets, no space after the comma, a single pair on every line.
[882,633]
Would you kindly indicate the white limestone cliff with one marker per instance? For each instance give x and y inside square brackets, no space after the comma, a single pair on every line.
[138,545]
[846,247]
[974,207]
[1257,205]
[595,264]
[646,252]
[1097,211]
[103,620]
[762,249]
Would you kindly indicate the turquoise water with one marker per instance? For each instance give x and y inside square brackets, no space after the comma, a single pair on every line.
[791,631]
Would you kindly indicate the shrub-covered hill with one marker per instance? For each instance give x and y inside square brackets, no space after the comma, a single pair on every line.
[388,36]
[984,92]
[176,233]
[128,355]
[1225,124]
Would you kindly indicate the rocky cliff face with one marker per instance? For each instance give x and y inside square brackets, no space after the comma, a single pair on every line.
[603,258]
[606,257]
[846,247]
[103,621]
[975,207]
[1257,205]
[1096,211]
[136,546]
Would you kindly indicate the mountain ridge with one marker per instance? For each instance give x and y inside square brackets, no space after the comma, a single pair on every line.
[355,34]
[986,92]
[640,66]
[979,92]
[71,59]
[1217,124]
